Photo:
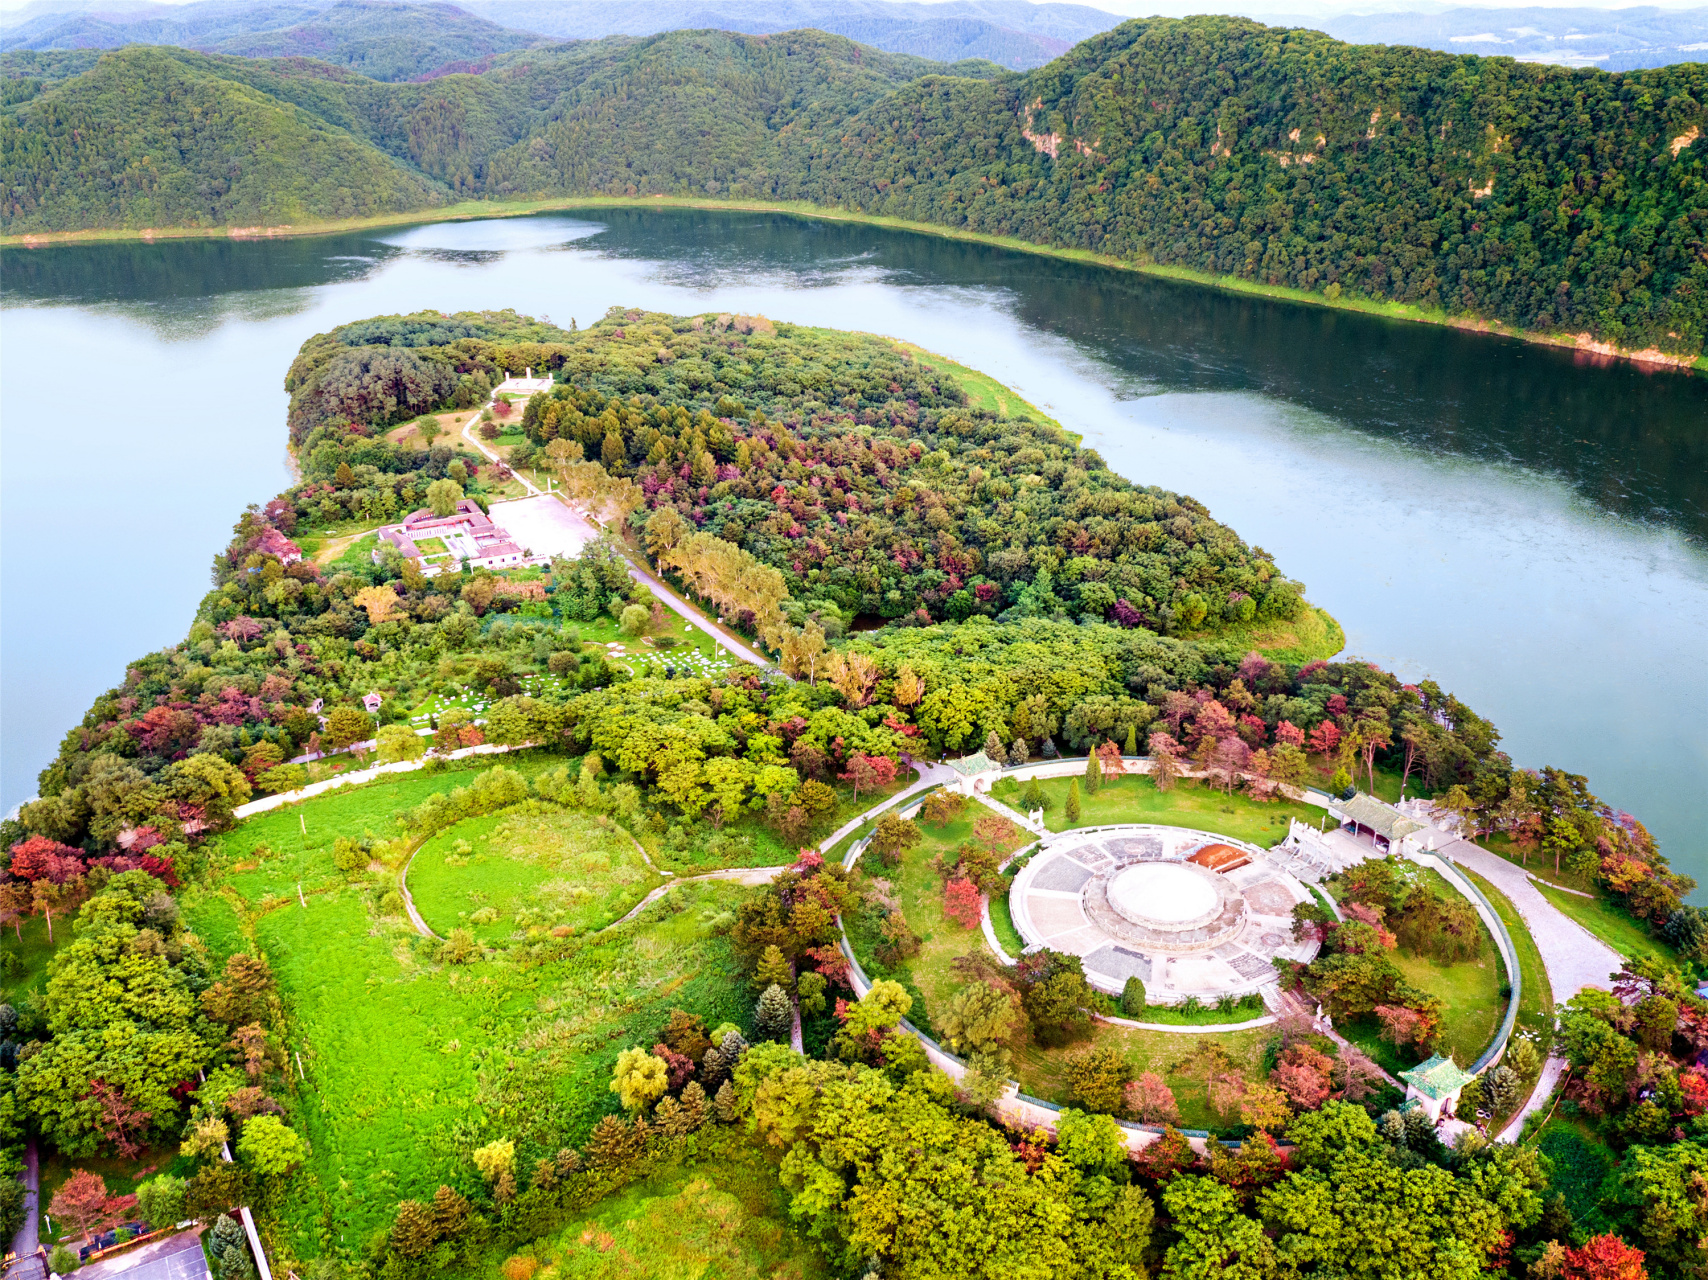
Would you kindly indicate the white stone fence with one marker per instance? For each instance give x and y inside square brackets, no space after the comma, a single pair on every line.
[365,775]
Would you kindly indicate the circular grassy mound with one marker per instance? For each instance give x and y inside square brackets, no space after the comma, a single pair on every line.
[527,868]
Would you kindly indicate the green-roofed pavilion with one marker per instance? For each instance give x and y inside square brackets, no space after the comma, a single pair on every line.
[1436,1083]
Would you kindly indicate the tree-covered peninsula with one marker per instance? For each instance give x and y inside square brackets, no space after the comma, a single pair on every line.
[562,990]
[1545,198]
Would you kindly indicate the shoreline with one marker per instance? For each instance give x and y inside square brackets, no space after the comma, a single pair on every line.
[474,210]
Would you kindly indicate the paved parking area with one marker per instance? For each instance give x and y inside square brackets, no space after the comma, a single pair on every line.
[175,1258]
[543,526]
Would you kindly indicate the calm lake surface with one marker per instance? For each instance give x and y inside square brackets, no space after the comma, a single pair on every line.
[1527,528]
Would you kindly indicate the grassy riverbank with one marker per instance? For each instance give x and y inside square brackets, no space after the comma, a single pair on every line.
[477,209]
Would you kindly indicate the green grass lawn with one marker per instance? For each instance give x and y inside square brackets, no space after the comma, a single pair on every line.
[29,945]
[1002,925]
[358,556]
[726,1219]
[1312,636]
[1135,798]
[531,871]
[1627,936]
[1536,1003]
[408,1061]
[266,857]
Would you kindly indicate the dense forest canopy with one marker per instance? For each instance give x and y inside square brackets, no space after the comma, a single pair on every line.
[1543,197]
[845,462]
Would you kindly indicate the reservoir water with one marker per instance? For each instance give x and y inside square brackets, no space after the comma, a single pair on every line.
[1525,526]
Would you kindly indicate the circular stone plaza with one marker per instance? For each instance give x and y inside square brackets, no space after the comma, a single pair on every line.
[1186,912]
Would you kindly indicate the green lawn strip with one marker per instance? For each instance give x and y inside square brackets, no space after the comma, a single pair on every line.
[1314,635]
[1470,992]
[356,557]
[534,870]
[1042,1072]
[1135,798]
[409,1061]
[1209,1015]
[26,953]
[1002,925]
[725,1216]
[1536,1002]
[1627,936]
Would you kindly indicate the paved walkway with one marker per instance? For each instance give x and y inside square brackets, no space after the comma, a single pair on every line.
[578,530]
[28,1240]
[1540,1097]
[1573,956]
[929,776]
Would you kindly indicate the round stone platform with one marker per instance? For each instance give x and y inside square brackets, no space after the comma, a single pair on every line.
[1132,902]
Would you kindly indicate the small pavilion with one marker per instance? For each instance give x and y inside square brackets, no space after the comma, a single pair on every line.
[1436,1085]
[975,772]
[1385,825]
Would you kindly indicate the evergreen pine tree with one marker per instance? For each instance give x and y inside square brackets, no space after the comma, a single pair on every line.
[1132,740]
[1093,773]
[1133,998]
[695,1105]
[1034,797]
[993,748]
[775,1015]
[1072,807]
[725,1103]
[1019,752]
[773,970]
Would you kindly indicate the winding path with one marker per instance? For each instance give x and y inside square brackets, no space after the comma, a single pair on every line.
[1573,956]
[587,530]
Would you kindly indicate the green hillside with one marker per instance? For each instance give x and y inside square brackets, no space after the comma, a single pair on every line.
[1541,197]
[145,139]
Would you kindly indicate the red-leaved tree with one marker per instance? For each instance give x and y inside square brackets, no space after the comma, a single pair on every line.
[961,902]
[1604,1257]
[1325,738]
[80,1202]
[39,858]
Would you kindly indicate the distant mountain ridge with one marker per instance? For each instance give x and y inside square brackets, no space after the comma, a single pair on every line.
[1011,33]
[401,41]
[1606,39]
[383,41]
[1541,197]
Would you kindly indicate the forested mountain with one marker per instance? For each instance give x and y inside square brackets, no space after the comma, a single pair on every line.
[383,41]
[1543,197]
[98,143]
